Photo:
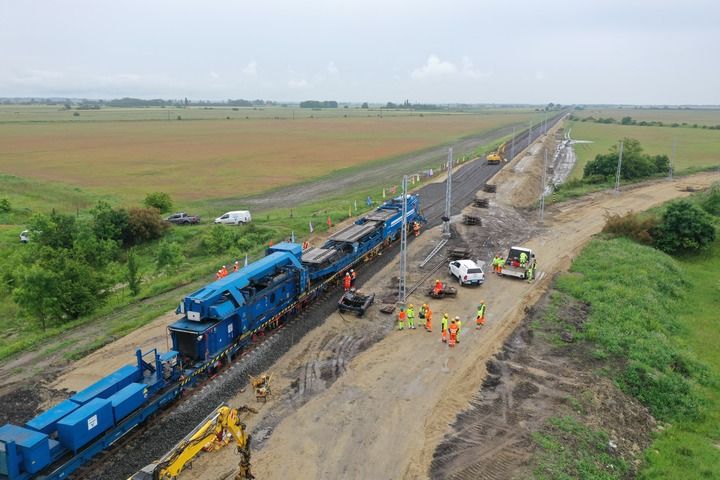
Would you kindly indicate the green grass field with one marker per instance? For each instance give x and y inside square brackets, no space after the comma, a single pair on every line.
[654,323]
[701,116]
[695,148]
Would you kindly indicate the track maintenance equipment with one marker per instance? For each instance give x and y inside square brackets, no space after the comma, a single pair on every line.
[218,429]
[218,322]
[261,385]
[497,156]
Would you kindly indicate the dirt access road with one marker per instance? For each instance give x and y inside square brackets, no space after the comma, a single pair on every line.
[392,404]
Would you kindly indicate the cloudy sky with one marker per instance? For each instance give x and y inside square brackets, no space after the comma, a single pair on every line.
[525,51]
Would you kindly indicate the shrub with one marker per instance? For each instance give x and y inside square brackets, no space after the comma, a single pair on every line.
[710,200]
[5,206]
[635,164]
[144,224]
[685,226]
[631,225]
[159,200]
[169,255]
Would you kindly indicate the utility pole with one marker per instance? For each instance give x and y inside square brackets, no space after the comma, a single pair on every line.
[672,160]
[529,135]
[448,195]
[402,289]
[545,122]
[512,146]
[542,189]
[619,165]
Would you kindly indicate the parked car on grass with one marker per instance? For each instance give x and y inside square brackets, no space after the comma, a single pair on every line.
[235,217]
[183,219]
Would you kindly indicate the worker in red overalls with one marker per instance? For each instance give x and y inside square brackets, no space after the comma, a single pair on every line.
[347,281]
[438,287]
[224,271]
[428,318]
[416,228]
[353,276]
[236,266]
[453,330]
[218,275]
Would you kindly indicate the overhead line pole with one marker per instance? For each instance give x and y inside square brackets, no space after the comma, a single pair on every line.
[619,165]
[448,195]
[542,189]
[672,160]
[402,288]
[512,146]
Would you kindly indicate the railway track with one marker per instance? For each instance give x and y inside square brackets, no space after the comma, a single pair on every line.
[148,442]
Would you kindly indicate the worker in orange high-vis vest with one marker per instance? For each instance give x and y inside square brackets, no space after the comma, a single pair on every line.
[218,275]
[402,316]
[428,318]
[480,318]
[224,271]
[452,330]
[347,282]
[444,327]
[236,266]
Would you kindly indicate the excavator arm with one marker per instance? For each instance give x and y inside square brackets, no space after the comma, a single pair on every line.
[215,432]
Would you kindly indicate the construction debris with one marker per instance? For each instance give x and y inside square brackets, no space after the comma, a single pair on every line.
[489,187]
[471,220]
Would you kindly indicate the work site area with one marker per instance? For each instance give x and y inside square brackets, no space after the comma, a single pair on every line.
[401,260]
[397,344]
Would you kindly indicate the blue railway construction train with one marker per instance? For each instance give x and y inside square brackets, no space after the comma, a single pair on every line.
[218,321]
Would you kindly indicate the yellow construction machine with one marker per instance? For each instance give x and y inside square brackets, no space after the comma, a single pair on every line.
[218,429]
[494,158]
[261,385]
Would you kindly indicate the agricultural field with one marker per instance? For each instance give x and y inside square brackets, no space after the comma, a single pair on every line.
[218,158]
[695,147]
[700,116]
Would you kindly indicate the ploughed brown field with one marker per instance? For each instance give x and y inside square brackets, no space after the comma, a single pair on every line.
[200,159]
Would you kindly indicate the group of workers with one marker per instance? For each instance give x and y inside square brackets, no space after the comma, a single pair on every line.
[349,280]
[449,329]
[223,272]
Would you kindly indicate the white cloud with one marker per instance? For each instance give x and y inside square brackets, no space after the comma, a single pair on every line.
[437,68]
[434,67]
[332,69]
[250,69]
[214,75]
[298,83]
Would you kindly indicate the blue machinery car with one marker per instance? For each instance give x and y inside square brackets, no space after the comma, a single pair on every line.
[217,322]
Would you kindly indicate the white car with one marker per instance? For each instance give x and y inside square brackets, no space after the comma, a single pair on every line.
[467,272]
[25,236]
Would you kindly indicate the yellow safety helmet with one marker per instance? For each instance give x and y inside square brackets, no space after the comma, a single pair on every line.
[482,301]
[411,305]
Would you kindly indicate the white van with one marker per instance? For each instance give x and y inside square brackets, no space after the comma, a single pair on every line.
[234,218]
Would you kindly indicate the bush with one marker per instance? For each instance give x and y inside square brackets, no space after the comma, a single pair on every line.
[5,206]
[159,200]
[169,255]
[710,200]
[60,288]
[635,164]
[144,224]
[109,224]
[632,226]
[685,226]
[222,239]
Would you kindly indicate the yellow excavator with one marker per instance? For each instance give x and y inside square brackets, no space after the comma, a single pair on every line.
[494,158]
[217,430]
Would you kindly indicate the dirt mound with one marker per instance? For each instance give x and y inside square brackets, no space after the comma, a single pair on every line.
[529,381]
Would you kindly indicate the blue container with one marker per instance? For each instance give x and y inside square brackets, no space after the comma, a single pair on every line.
[127,400]
[109,385]
[85,424]
[126,375]
[46,422]
[33,446]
